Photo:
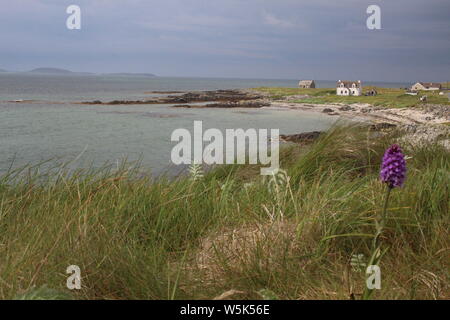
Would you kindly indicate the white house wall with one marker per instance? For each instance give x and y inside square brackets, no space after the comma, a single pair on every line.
[348,92]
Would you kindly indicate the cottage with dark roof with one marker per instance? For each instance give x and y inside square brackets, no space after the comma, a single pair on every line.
[427,86]
[307,84]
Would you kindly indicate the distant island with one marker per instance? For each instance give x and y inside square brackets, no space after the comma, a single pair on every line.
[50,70]
[58,71]
[131,74]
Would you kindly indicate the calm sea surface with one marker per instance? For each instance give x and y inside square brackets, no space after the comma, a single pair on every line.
[53,127]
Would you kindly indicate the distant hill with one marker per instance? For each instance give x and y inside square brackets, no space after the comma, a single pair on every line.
[1,70]
[58,71]
[68,72]
[51,71]
[132,74]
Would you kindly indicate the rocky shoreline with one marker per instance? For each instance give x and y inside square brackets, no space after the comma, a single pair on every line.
[423,123]
[428,114]
[228,104]
[228,98]
[419,125]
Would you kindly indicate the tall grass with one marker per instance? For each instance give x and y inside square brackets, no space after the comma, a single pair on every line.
[140,238]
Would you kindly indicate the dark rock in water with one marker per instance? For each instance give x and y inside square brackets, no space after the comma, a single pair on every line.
[327,110]
[228,104]
[124,102]
[303,138]
[217,95]
[114,102]
[192,97]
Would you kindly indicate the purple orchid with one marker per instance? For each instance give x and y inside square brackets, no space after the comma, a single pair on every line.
[393,167]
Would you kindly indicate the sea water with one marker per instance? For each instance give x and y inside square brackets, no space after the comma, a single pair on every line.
[54,127]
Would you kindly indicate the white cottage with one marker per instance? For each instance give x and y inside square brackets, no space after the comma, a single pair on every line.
[349,88]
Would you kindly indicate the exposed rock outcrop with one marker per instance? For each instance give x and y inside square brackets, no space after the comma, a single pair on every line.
[190,97]
[228,104]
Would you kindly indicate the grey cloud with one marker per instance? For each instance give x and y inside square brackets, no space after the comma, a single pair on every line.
[253,38]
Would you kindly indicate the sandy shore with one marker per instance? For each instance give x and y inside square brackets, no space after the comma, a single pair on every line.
[421,125]
[366,112]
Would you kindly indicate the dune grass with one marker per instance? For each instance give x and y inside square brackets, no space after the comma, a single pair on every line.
[387,97]
[138,238]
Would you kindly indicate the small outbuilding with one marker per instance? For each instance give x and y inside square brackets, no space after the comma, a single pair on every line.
[371,93]
[307,84]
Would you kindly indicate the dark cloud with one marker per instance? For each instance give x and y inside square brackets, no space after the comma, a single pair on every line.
[319,39]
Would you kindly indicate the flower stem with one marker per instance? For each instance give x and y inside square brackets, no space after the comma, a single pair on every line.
[382,220]
[376,245]
[386,201]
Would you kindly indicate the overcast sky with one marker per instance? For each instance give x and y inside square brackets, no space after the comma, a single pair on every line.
[289,39]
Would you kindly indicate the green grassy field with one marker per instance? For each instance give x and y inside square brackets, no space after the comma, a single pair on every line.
[387,97]
[446,85]
[137,238]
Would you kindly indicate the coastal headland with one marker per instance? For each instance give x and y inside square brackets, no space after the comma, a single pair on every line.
[391,105]
[389,109]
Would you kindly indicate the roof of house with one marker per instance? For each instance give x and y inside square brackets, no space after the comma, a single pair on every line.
[431,84]
[348,84]
[306,82]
